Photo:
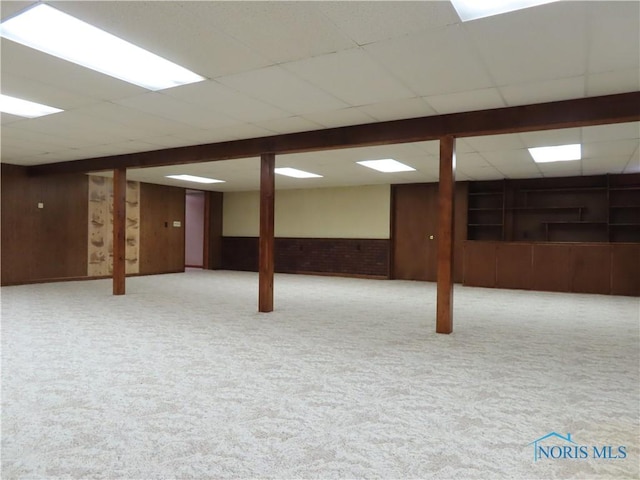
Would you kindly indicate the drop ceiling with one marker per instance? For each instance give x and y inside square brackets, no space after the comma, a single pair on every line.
[284,67]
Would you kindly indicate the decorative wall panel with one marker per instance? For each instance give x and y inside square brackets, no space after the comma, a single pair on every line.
[100,247]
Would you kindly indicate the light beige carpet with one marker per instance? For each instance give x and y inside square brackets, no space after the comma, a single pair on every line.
[182,378]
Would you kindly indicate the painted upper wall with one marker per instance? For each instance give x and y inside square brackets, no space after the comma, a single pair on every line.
[345,212]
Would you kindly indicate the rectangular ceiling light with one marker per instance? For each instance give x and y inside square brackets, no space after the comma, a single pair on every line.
[561,153]
[295,173]
[25,108]
[192,178]
[474,9]
[51,31]
[387,165]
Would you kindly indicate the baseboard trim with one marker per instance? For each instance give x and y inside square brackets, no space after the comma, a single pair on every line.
[82,279]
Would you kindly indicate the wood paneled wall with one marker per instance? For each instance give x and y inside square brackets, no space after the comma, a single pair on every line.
[612,268]
[413,221]
[47,243]
[51,243]
[161,243]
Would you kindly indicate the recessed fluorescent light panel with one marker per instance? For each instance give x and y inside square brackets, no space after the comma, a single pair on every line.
[51,31]
[192,178]
[561,153]
[474,9]
[25,108]
[387,165]
[295,173]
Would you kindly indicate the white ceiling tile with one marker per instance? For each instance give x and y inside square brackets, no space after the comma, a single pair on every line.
[280,88]
[540,54]
[542,43]
[280,31]
[492,143]
[173,109]
[289,125]
[237,132]
[136,120]
[544,91]
[546,138]
[431,147]
[561,169]
[350,75]
[616,131]
[634,163]
[7,118]
[617,81]
[340,118]
[517,159]
[610,148]
[482,99]
[434,62]
[10,8]
[181,32]
[77,129]
[463,146]
[16,132]
[469,161]
[222,99]
[24,62]
[398,109]
[40,92]
[367,22]
[614,36]
[602,165]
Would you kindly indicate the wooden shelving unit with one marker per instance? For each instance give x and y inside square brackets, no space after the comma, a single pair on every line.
[604,208]
[486,211]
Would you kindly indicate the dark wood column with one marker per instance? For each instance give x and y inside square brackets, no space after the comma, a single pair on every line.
[267,198]
[119,229]
[446,195]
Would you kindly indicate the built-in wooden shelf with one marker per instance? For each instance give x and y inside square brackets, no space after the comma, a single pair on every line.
[564,189]
[600,208]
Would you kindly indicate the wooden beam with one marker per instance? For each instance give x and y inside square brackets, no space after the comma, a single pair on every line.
[446,195]
[119,229]
[267,202]
[624,107]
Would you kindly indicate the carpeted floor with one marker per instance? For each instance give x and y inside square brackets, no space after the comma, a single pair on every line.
[182,378]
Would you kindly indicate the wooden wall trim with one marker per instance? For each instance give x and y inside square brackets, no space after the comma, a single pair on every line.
[624,107]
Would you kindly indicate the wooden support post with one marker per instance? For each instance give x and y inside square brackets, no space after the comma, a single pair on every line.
[446,195]
[267,199]
[119,229]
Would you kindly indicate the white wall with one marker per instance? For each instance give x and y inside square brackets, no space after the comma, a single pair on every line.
[345,212]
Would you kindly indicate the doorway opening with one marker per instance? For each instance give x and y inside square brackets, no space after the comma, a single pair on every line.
[194,229]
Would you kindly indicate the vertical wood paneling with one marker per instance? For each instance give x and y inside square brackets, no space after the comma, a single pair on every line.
[415,221]
[161,244]
[591,269]
[266,242]
[514,265]
[625,269]
[480,264]
[446,198]
[551,268]
[39,244]
[460,208]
